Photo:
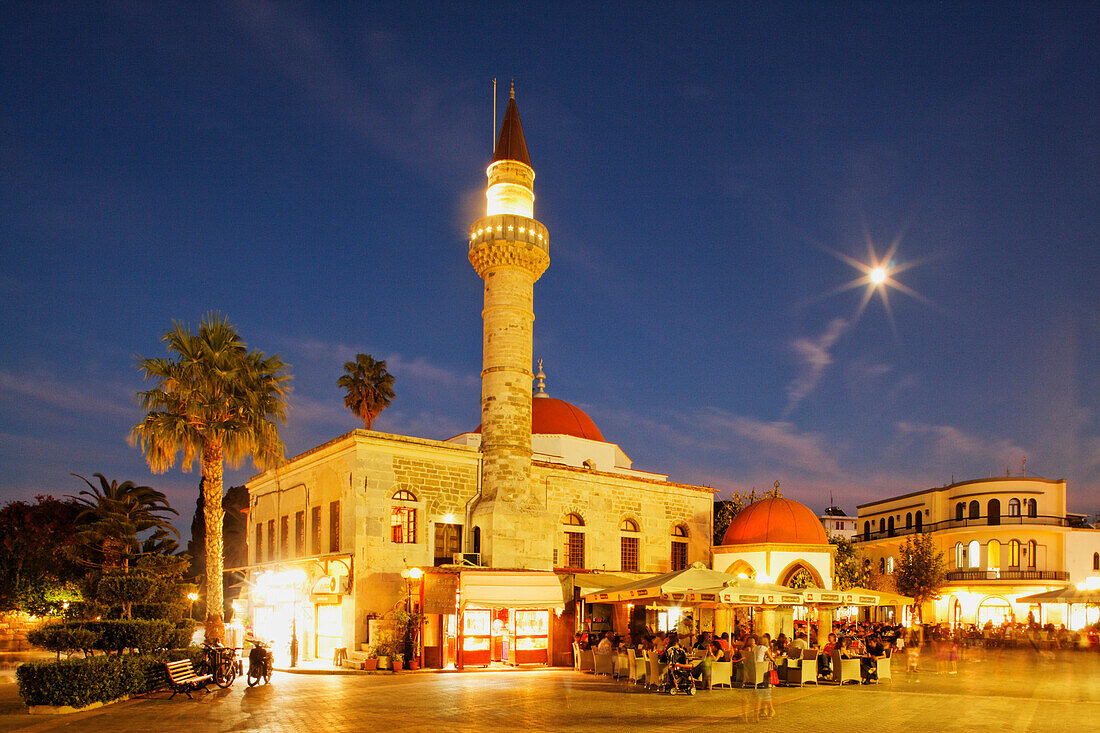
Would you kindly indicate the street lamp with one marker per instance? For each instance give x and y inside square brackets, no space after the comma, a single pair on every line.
[410,575]
[191,611]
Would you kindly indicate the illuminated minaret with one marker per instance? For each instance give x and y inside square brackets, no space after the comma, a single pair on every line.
[509,250]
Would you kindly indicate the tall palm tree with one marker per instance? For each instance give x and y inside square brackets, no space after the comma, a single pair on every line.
[113,519]
[369,387]
[214,400]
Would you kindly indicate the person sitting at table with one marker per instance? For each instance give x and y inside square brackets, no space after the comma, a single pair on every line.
[672,654]
[799,642]
[780,644]
[702,642]
[868,670]
[737,656]
[701,670]
[605,646]
[825,659]
[660,642]
[724,642]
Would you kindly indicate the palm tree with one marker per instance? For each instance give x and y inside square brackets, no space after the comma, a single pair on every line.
[113,518]
[216,401]
[369,387]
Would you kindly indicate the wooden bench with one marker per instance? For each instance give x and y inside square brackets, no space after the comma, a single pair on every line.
[182,678]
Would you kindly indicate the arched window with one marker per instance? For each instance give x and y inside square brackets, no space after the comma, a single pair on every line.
[403,518]
[574,541]
[1033,554]
[920,521]
[866,530]
[890,565]
[628,546]
[993,511]
[679,547]
[975,510]
[1096,561]
[960,561]
[909,520]
[882,565]
[1014,553]
[1032,508]
[960,509]
[993,555]
[973,554]
[882,525]
[890,527]
[1013,507]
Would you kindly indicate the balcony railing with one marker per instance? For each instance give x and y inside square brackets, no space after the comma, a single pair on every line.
[983,575]
[982,521]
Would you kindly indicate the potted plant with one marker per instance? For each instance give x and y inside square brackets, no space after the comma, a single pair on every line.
[371,662]
[407,636]
[383,652]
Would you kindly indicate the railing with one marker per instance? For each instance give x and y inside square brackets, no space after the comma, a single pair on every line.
[982,521]
[981,575]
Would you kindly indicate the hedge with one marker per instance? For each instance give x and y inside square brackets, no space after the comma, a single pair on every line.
[81,682]
[114,635]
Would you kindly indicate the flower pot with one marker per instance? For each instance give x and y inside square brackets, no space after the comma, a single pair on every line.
[397,662]
[383,662]
[370,664]
[414,665]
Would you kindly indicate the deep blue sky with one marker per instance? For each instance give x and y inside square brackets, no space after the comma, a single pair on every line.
[310,171]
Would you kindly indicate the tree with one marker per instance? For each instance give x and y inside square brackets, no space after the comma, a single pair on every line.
[920,570]
[726,509]
[37,574]
[849,569]
[217,401]
[234,540]
[369,387]
[120,523]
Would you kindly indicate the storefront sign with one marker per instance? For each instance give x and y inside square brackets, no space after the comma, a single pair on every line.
[440,591]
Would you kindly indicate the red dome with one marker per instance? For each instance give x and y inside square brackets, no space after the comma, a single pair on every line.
[557,417]
[776,520]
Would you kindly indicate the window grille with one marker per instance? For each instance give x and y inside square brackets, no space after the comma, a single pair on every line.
[299,533]
[259,556]
[403,524]
[270,540]
[315,518]
[679,555]
[284,537]
[630,554]
[334,526]
[574,549]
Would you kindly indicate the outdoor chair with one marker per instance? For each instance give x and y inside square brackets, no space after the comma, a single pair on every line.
[632,666]
[576,657]
[654,669]
[604,664]
[844,670]
[587,662]
[622,665]
[721,673]
[802,670]
[884,668]
[754,671]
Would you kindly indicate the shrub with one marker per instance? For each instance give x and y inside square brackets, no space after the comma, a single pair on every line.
[62,637]
[81,682]
[144,636]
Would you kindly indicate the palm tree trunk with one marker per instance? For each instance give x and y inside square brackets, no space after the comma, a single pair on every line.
[215,562]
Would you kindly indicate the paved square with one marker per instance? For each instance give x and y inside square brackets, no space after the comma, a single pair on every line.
[993,691]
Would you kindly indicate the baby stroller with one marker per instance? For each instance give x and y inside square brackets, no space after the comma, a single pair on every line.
[678,679]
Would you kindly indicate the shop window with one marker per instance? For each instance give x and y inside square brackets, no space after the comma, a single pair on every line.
[909,520]
[960,555]
[993,555]
[315,520]
[1033,554]
[448,542]
[258,557]
[993,511]
[403,518]
[1032,508]
[574,549]
[284,537]
[960,509]
[1014,553]
[270,540]
[974,554]
[299,534]
[975,510]
[1013,507]
[334,526]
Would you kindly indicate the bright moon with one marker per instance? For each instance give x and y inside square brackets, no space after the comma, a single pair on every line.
[878,275]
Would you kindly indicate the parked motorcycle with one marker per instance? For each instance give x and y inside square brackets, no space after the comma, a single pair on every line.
[261,662]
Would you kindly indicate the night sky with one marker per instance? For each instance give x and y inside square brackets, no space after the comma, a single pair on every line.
[711,176]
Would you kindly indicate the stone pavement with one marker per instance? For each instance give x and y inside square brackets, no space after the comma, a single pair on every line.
[993,691]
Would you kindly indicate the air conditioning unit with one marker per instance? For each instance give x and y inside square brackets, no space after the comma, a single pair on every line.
[467,558]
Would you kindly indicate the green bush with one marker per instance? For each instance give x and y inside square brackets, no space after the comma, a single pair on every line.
[113,636]
[81,682]
[62,637]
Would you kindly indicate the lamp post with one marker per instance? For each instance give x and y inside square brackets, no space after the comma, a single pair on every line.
[192,596]
[410,575]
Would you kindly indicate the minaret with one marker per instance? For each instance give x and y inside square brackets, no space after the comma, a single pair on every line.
[509,250]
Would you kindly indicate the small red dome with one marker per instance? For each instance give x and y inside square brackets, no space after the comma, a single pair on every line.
[776,520]
[557,417]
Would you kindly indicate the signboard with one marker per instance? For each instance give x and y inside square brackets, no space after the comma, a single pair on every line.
[440,592]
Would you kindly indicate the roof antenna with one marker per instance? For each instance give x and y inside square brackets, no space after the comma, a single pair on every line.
[493,137]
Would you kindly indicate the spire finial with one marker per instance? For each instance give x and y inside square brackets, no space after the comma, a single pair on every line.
[513,88]
[542,382]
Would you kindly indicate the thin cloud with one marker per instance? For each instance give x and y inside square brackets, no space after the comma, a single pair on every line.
[70,398]
[949,445]
[814,356]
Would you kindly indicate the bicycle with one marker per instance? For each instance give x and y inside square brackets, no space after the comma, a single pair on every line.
[221,663]
[260,663]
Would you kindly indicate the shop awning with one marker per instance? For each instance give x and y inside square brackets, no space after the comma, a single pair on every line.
[1069,594]
[589,582]
[746,592]
[511,590]
[695,584]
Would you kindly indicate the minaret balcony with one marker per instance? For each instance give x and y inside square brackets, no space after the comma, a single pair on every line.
[509,228]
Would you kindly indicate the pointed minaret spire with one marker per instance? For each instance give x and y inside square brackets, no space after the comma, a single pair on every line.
[510,143]
[541,382]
